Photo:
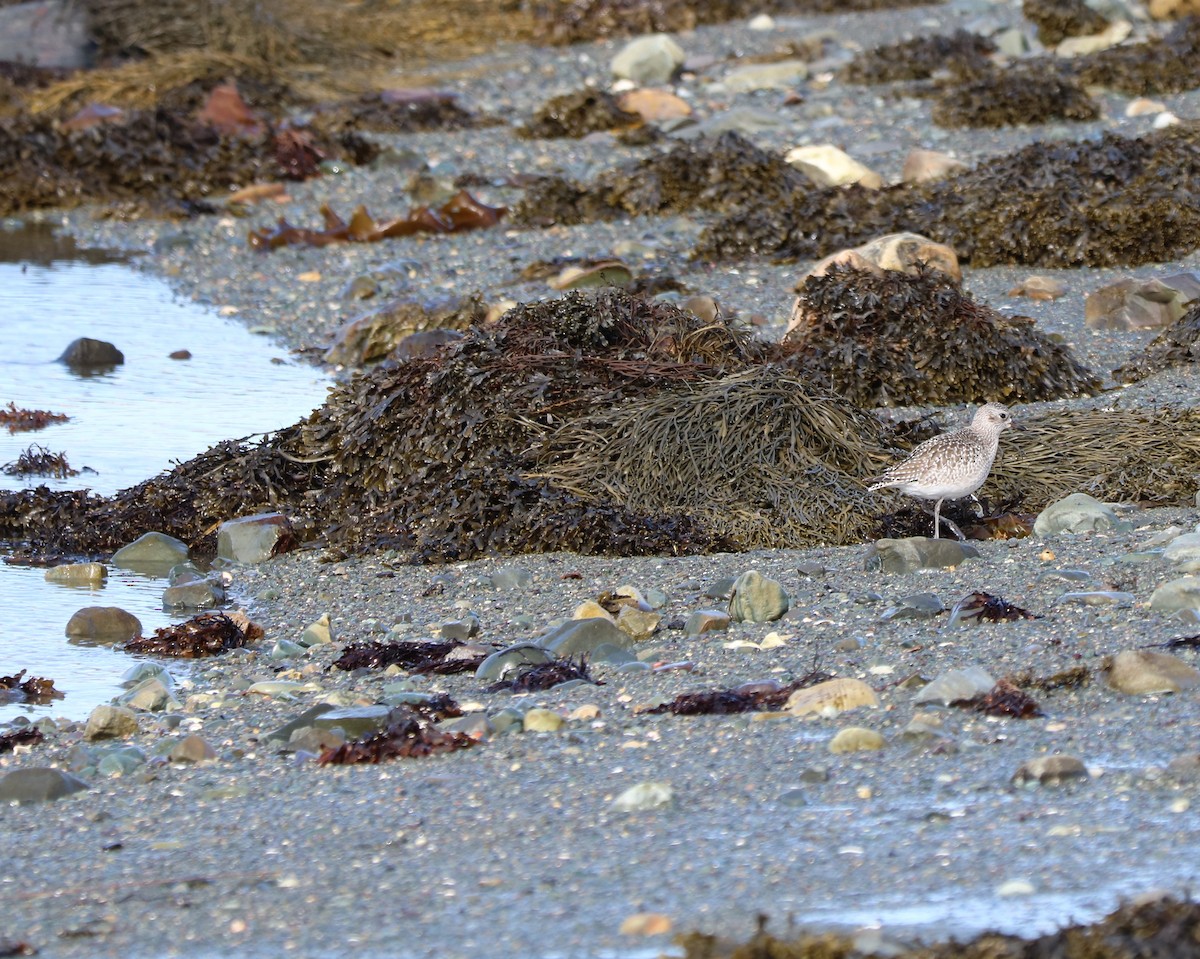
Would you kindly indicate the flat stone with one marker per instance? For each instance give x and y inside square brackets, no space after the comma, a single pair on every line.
[856,739]
[757,599]
[46,33]
[39,784]
[1142,672]
[102,625]
[151,553]
[202,594]
[1182,549]
[831,697]
[512,578]
[915,553]
[643,796]
[77,574]
[706,621]
[916,606]
[1099,597]
[254,539]
[1050,771]
[782,75]
[1178,594]
[826,165]
[151,695]
[110,722]
[306,718]
[317,633]
[582,636]
[1078,513]
[955,686]
[513,657]
[460,629]
[539,720]
[639,624]
[354,721]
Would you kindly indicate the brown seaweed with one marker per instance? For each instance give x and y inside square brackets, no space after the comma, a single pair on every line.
[1058,19]
[955,349]
[920,58]
[39,461]
[576,115]
[206,634]
[987,608]
[408,735]
[422,658]
[32,690]
[28,736]
[749,697]
[1177,345]
[460,212]
[1004,699]
[17,420]
[1036,91]
[540,676]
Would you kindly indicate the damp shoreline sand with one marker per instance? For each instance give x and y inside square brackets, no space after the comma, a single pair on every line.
[513,848]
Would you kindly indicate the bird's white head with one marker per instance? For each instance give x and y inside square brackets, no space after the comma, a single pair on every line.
[991,418]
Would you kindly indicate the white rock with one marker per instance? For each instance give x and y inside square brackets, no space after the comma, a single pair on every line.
[826,165]
[648,60]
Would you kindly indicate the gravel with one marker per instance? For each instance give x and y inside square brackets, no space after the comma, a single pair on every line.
[514,848]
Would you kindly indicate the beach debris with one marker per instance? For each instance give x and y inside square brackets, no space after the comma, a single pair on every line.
[27,736]
[762,695]
[460,212]
[17,420]
[1003,699]
[540,676]
[38,461]
[984,607]
[425,658]
[410,733]
[17,688]
[207,634]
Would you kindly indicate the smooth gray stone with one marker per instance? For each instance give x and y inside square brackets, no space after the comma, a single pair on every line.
[955,686]
[513,657]
[354,721]
[39,784]
[101,625]
[140,672]
[151,553]
[512,578]
[916,552]
[183,573]
[46,33]
[253,539]
[77,574]
[1078,513]
[1100,597]
[121,761]
[150,695]
[460,629]
[757,599]
[611,654]
[1177,594]
[583,636]
[202,595]
[916,606]
[720,589]
[110,722]
[306,718]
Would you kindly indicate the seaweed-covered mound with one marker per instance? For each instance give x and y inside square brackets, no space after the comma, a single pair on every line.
[1033,92]
[575,21]
[906,340]
[1058,19]
[1060,452]
[576,115]
[725,173]
[1104,202]
[157,156]
[1167,65]
[1177,345]
[400,111]
[920,58]
[761,457]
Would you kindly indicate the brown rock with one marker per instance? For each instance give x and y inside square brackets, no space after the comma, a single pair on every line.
[922,166]
[1141,671]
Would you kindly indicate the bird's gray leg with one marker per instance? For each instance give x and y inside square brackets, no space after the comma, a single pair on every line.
[937,520]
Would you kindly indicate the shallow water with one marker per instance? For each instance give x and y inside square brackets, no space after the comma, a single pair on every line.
[127,424]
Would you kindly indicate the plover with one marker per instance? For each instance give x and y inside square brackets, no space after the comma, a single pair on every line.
[952,465]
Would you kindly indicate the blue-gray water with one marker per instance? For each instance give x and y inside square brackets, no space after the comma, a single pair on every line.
[126,424]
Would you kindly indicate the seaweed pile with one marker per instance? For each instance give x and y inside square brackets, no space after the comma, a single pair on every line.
[576,115]
[158,157]
[1170,64]
[722,174]
[1036,91]
[898,339]
[920,58]
[1105,202]
[1177,345]
[1058,19]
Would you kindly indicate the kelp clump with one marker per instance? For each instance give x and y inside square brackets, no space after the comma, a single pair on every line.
[897,339]
[1177,345]
[1060,452]
[920,58]
[1170,64]
[722,174]
[1058,19]
[577,114]
[416,110]
[206,634]
[160,158]
[1034,92]
[576,21]
[1104,202]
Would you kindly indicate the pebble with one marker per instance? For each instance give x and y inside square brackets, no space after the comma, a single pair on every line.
[757,599]
[1143,671]
[644,796]
[855,739]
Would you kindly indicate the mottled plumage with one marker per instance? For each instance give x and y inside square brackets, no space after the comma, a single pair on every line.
[952,465]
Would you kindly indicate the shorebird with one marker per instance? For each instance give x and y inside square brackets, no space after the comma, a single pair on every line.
[950,466]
